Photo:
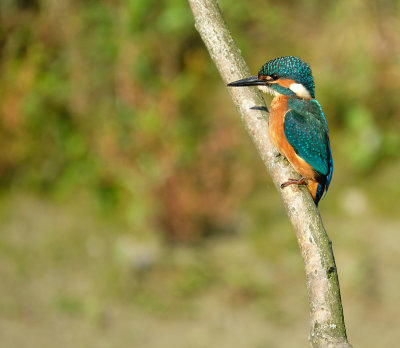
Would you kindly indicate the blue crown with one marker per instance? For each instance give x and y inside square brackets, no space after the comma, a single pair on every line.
[290,68]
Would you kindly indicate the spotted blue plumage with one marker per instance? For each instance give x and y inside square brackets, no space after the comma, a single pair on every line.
[291,68]
[306,130]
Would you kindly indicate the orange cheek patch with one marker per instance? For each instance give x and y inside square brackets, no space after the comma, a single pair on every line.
[284,82]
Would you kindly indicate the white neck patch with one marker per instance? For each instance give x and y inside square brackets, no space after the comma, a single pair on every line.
[300,90]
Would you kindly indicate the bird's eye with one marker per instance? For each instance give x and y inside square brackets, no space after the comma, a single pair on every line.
[274,76]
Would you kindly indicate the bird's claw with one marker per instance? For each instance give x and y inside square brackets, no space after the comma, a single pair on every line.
[301,181]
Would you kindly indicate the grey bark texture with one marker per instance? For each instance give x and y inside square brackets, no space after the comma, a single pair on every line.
[326,312]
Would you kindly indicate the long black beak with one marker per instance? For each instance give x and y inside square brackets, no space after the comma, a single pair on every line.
[249,81]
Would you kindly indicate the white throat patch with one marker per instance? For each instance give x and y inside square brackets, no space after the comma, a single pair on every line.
[269,90]
[300,90]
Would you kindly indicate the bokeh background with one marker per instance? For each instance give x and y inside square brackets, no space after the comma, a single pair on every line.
[134,210]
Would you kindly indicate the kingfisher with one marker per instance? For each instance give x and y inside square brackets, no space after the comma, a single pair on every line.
[297,124]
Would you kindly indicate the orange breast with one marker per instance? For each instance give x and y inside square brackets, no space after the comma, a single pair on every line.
[279,107]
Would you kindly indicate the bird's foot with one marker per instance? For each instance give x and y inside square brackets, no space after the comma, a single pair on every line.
[301,181]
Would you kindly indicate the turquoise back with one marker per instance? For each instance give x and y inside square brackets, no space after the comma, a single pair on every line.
[306,130]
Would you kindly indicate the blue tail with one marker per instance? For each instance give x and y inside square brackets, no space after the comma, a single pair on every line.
[323,188]
[329,176]
[319,194]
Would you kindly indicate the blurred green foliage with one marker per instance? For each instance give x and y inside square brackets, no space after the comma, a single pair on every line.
[120,100]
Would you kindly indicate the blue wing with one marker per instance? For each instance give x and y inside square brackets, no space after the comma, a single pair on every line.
[307,133]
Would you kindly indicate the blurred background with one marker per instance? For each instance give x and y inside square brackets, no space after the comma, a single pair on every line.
[134,210]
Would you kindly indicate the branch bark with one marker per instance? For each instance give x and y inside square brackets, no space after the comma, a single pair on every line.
[326,312]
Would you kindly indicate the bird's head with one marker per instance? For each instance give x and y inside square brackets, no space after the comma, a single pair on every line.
[285,75]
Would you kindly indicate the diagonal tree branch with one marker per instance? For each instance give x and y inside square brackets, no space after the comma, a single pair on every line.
[326,312]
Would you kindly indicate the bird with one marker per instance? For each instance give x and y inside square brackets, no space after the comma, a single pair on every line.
[297,124]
